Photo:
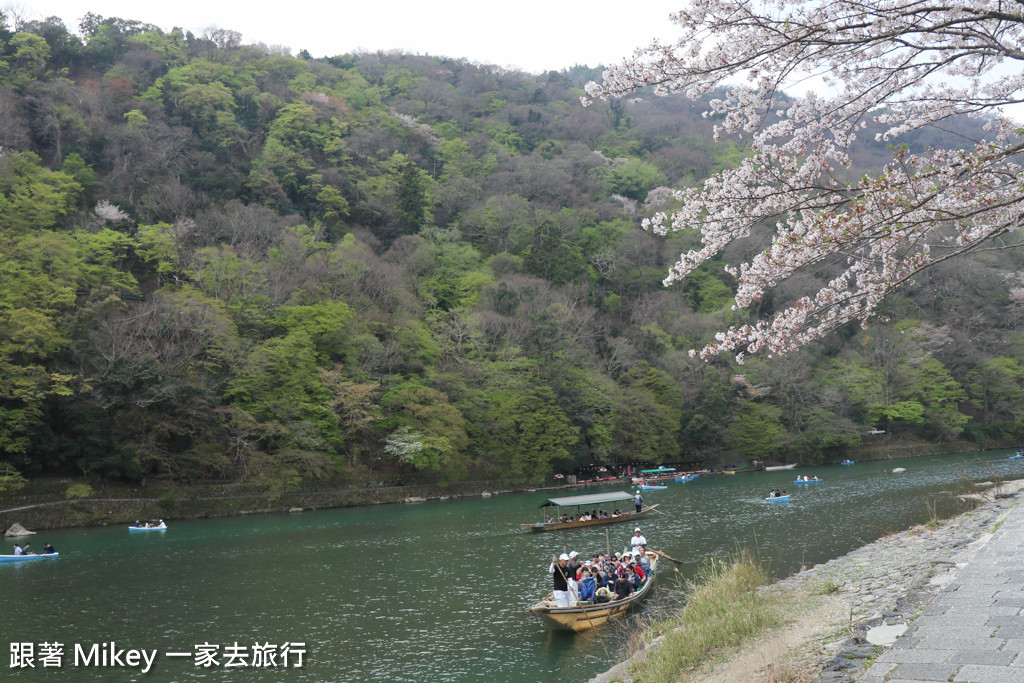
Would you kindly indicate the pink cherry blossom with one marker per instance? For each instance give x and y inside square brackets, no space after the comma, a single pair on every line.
[900,64]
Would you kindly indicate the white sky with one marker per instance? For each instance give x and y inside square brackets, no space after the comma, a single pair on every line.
[532,35]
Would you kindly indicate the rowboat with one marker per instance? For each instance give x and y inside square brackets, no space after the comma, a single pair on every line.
[585,503]
[1017,456]
[686,478]
[848,462]
[586,617]
[28,558]
[777,499]
[159,527]
[650,487]
[773,468]
[808,481]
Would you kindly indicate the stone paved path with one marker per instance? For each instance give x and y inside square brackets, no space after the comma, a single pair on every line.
[973,630]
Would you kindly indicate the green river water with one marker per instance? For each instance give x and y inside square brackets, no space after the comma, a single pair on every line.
[422,592]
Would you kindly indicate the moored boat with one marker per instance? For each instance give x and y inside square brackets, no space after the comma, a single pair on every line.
[588,503]
[27,558]
[587,616]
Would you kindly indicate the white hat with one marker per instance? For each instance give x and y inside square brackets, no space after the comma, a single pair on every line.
[588,563]
[563,556]
[573,555]
[636,529]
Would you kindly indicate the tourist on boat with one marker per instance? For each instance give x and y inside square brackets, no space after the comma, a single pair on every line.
[638,540]
[28,549]
[587,586]
[616,513]
[633,577]
[638,500]
[603,594]
[644,561]
[18,550]
[559,570]
[623,588]
[49,549]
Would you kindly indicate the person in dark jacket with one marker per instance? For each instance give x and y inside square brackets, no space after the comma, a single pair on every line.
[623,588]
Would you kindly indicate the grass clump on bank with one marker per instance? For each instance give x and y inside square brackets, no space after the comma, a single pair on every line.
[723,609]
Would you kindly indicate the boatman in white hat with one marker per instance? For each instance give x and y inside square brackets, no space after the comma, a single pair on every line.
[638,541]
[560,572]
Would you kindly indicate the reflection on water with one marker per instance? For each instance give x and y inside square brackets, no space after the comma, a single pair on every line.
[434,591]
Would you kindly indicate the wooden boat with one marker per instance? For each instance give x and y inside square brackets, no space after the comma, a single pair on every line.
[28,558]
[686,478]
[588,503]
[158,527]
[586,617]
[650,487]
[777,499]
[808,481]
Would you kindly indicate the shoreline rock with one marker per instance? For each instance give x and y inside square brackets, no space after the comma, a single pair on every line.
[17,530]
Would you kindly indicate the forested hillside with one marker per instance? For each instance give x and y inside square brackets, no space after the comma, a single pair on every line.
[222,262]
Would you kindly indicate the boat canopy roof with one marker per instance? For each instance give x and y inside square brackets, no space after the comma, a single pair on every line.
[659,469]
[589,499]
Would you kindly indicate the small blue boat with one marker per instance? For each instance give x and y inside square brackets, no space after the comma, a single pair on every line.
[686,478]
[848,462]
[808,481]
[650,486]
[28,558]
[1016,457]
[777,499]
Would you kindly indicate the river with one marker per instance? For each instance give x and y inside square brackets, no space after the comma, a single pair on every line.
[421,592]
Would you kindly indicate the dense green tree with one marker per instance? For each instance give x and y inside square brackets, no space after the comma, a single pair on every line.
[757,432]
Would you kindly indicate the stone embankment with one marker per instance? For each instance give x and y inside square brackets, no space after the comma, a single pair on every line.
[884,585]
[887,583]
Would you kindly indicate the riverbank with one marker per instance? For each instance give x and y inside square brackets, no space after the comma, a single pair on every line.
[845,611]
[58,503]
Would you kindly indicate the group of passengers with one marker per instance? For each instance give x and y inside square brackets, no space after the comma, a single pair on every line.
[806,478]
[603,578]
[27,550]
[776,493]
[584,516]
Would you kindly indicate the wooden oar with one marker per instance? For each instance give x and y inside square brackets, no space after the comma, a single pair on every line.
[661,554]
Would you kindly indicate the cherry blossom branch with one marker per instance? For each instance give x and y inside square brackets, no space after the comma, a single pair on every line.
[901,64]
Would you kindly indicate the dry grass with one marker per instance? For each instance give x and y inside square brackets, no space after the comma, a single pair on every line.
[734,629]
[723,608]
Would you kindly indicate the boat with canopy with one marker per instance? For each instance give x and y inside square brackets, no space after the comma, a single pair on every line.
[586,503]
